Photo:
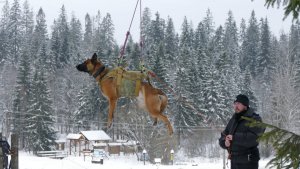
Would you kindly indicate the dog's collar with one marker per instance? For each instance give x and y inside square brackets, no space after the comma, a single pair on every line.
[99,71]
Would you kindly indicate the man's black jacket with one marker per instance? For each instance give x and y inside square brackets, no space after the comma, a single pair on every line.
[244,142]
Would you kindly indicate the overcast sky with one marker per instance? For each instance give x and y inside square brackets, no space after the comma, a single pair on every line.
[122,11]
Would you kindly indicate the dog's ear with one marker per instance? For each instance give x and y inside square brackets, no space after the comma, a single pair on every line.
[94,58]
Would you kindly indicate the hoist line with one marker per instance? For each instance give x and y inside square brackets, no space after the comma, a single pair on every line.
[127,35]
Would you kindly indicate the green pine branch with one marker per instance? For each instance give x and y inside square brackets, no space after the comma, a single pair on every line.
[290,6]
[285,143]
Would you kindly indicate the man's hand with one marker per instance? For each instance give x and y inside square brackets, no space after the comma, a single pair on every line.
[228,140]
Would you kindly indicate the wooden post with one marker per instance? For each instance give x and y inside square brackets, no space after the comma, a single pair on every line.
[14,148]
[79,147]
[1,154]
[70,146]
[224,159]
[75,146]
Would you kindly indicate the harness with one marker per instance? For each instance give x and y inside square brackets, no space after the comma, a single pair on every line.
[128,83]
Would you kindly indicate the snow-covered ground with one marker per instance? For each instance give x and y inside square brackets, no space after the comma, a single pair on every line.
[27,161]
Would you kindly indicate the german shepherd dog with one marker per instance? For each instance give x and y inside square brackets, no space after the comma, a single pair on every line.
[149,98]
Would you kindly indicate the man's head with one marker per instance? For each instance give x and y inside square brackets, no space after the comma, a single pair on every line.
[241,103]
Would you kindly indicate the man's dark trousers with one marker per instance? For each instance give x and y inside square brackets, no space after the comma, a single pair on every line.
[250,165]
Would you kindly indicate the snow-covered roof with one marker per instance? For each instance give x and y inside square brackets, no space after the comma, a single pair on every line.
[60,141]
[73,136]
[95,135]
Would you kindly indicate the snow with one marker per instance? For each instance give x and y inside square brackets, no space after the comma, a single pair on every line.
[27,161]
[72,136]
[95,135]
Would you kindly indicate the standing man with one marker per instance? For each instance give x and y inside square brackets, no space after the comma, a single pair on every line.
[5,150]
[239,139]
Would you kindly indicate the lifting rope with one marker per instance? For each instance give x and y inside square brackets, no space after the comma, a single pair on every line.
[122,52]
[142,64]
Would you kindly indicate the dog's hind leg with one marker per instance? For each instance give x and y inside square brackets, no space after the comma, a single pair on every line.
[112,106]
[167,122]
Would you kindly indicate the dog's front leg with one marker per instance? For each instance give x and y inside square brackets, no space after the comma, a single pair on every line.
[112,106]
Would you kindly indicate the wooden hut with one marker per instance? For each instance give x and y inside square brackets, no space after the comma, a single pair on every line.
[75,139]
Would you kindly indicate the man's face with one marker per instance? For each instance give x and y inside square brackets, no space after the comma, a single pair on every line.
[239,107]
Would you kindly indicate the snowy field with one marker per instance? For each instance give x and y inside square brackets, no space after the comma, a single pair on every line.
[115,162]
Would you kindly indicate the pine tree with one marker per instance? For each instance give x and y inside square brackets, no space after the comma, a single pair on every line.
[146,32]
[246,88]
[229,64]
[250,47]
[294,44]
[82,114]
[170,45]
[208,24]
[265,61]
[294,49]
[134,55]
[290,6]
[65,54]
[39,35]
[193,85]
[186,52]
[21,99]
[242,31]
[96,31]
[284,96]
[230,41]
[55,47]
[184,110]
[106,43]
[156,37]
[90,102]
[211,89]
[159,68]
[186,37]
[201,62]
[224,66]
[285,143]
[40,130]
[27,23]
[157,27]
[15,31]
[64,39]
[201,45]
[88,36]
[4,38]
[75,40]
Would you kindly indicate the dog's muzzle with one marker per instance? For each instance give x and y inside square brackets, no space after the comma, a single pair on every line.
[81,67]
